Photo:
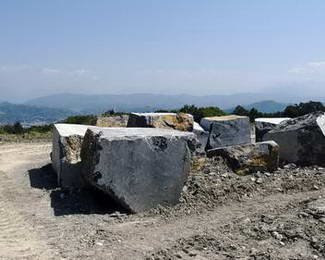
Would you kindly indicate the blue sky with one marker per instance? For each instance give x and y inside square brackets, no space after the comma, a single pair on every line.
[168,46]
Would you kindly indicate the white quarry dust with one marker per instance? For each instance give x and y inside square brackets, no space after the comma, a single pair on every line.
[39,221]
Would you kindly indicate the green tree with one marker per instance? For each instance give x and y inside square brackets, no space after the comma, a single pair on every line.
[200,112]
[81,120]
[18,128]
[253,114]
[240,111]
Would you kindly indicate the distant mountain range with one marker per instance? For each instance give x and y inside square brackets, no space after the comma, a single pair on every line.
[267,106]
[54,108]
[141,102]
[29,115]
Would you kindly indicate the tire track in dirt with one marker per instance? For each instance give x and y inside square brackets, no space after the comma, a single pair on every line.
[17,238]
[33,204]
[32,226]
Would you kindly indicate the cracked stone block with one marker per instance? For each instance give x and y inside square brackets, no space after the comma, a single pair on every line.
[301,139]
[177,121]
[65,156]
[227,130]
[265,125]
[140,168]
[112,121]
[250,158]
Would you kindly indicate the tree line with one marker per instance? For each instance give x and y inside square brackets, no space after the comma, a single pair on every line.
[291,111]
[198,113]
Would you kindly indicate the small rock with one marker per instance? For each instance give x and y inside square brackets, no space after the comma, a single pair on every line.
[253,251]
[257,174]
[224,175]
[314,240]
[206,171]
[322,220]
[317,208]
[303,215]
[259,180]
[290,166]
[277,235]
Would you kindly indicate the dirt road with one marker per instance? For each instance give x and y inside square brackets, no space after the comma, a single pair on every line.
[220,217]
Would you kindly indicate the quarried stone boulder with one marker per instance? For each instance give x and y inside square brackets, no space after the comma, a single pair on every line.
[301,140]
[265,125]
[140,168]
[112,121]
[250,158]
[227,130]
[202,137]
[176,121]
[65,156]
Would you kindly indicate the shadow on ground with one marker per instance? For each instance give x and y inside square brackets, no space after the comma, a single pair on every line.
[69,202]
[43,178]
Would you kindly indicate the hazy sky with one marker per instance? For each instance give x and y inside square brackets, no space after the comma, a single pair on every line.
[167,46]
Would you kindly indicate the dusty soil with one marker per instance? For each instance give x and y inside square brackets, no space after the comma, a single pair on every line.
[221,215]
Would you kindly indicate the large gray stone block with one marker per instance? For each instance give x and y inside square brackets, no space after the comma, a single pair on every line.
[177,121]
[301,140]
[265,125]
[65,156]
[202,137]
[249,158]
[140,168]
[227,130]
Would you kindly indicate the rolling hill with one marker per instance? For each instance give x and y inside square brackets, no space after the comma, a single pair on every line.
[267,106]
[140,102]
[27,114]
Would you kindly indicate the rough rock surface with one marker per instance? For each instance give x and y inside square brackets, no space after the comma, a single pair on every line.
[65,156]
[201,135]
[301,140]
[227,130]
[264,125]
[250,158]
[112,121]
[179,121]
[140,168]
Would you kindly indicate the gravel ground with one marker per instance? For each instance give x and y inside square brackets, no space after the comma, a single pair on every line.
[278,215]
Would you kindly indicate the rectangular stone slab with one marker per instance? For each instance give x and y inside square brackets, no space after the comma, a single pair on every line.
[65,156]
[177,121]
[112,121]
[301,139]
[227,130]
[140,168]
